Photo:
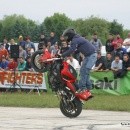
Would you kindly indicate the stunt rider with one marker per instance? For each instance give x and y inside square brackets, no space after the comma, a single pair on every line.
[82,45]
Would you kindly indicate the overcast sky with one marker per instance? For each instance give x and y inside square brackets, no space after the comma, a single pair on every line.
[38,9]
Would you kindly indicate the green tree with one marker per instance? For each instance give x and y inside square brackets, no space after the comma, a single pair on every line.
[36,33]
[91,25]
[116,28]
[57,23]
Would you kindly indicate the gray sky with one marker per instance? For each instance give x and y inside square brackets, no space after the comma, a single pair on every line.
[38,9]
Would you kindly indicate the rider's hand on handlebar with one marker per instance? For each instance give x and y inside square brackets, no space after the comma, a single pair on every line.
[59,56]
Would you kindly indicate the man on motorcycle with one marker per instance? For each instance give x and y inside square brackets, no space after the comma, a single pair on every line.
[82,45]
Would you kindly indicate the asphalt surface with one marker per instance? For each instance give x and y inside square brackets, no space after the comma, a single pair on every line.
[52,119]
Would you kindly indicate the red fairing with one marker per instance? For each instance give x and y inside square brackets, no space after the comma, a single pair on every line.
[66,74]
[46,55]
[70,86]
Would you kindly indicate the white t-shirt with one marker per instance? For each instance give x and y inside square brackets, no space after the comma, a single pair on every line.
[74,64]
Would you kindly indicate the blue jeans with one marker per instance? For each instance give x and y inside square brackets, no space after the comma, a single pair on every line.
[87,64]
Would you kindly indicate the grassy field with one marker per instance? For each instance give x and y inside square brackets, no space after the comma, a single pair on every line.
[102,101]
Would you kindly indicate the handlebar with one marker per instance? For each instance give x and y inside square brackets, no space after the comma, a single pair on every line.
[52,59]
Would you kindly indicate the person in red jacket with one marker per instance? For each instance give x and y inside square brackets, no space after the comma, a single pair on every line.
[3,52]
[12,64]
[117,40]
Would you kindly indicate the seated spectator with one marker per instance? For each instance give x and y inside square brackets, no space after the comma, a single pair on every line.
[126,62]
[29,44]
[120,51]
[12,65]
[28,64]
[108,61]
[96,42]
[21,42]
[100,63]
[41,44]
[109,46]
[126,43]
[73,62]
[3,51]
[117,40]
[54,49]
[28,52]
[116,67]
[22,52]
[49,46]
[21,64]
[3,64]
[64,47]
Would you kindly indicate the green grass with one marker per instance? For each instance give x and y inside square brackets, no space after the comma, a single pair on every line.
[101,101]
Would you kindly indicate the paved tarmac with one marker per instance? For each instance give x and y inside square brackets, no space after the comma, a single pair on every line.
[52,119]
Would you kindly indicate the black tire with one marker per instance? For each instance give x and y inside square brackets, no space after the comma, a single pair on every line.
[37,66]
[75,111]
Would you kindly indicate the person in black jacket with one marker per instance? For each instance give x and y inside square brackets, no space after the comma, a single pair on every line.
[28,64]
[53,38]
[109,46]
[64,47]
[42,42]
[82,45]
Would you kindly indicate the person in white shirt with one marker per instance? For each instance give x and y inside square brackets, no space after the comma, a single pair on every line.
[126,43]
[73,62]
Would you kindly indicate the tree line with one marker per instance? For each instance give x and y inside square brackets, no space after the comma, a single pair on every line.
[15,25]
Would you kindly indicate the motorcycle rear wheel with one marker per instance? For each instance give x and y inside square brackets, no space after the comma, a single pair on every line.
[72,109]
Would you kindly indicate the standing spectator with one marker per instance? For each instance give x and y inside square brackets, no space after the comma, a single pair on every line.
[12,65]
[3,51]
[6,44]
[64,47]
[108,61]
[52,39]
[21,64]
[12,42]
[21,42]
[22,52]
[117,40]
[120,51]
[3,64]
[109,46]
[73,62]
[96,42]
[42,42]
[54,49]
[43,38]
[28,64]
[100,63]
[116,67]
[29,44]
[126,43]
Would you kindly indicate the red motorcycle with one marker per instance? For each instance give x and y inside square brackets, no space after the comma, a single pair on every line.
[62,79]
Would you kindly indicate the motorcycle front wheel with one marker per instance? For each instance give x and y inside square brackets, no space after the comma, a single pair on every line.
[71,109]
[36,64]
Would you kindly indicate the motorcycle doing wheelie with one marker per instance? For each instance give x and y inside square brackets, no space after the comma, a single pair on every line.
[62,79]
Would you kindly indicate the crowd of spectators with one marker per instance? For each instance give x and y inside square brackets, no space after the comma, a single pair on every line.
[116,59]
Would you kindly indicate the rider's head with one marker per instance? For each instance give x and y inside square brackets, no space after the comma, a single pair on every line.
[68,34]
